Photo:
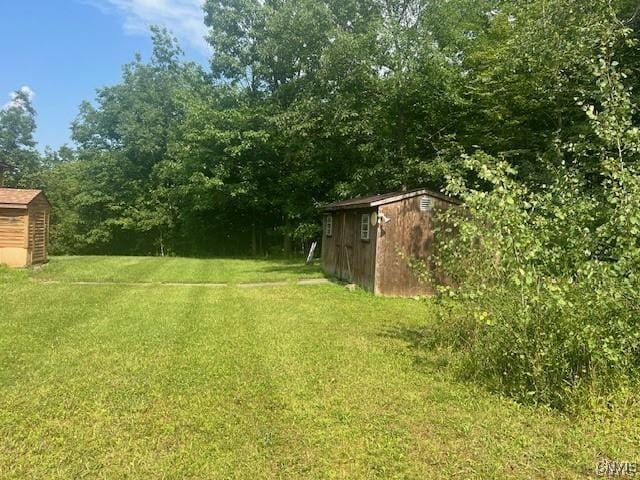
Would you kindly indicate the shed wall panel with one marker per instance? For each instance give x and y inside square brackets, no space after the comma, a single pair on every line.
[329,256]
[39,211]
[16,257]
[24,233]
[409,234]
[12,228]
[344,254]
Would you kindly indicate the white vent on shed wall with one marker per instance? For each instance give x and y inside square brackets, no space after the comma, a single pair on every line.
[426,204]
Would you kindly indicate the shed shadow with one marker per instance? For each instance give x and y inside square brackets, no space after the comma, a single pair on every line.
[293,269]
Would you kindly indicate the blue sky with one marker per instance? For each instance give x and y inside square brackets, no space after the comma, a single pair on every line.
[63,50]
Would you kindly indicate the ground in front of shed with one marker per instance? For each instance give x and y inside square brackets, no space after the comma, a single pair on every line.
[154,375]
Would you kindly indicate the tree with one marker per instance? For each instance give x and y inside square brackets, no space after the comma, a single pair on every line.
[17,145]
[124,142]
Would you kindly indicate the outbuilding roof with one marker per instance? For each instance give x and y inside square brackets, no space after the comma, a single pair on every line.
[18,198]
[383,199]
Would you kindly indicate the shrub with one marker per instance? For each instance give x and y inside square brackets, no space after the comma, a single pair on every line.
[546,305]
[547,300]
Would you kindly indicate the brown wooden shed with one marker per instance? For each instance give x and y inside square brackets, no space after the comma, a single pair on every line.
[368,240]
[24,227]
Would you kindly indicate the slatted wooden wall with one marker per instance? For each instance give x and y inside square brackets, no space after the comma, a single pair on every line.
[381,264]
[38,229]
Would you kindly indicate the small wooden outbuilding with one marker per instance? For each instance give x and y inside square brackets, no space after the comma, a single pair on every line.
[24,227]
[369,240]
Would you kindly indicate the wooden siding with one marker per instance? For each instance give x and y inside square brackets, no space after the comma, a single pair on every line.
[409,233]
[329,254]
[344,254]
[38,236]
[12,228]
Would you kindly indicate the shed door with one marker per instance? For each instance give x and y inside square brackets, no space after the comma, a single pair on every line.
[344,245]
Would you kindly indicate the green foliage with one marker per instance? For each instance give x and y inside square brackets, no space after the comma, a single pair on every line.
[542,310]
[17,146]
[547,305]
[307,102]
[123,199]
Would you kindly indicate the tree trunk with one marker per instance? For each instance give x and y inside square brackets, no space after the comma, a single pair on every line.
[254,241]
[161,245]
[286,244]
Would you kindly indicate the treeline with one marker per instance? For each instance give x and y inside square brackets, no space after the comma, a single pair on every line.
[307,101]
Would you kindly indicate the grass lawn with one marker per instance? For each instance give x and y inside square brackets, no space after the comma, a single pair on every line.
[125,381]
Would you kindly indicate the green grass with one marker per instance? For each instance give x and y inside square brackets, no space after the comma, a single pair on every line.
[121,381]
[174,270]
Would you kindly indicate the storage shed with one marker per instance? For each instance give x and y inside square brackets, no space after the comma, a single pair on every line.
[369,240]
[24,227]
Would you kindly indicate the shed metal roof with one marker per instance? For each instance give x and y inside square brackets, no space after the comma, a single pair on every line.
[17,198]
[385,198]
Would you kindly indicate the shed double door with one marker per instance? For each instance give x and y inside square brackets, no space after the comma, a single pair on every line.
[344,247]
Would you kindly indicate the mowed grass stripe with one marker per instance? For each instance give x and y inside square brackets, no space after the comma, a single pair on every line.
[103,383]
[27,340]
[333,426]
[58,403]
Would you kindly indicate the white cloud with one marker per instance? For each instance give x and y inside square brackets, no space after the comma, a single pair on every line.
[185,18]
[15,101]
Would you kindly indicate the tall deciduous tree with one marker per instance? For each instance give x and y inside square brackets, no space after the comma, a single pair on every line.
[124,143]
[17,144]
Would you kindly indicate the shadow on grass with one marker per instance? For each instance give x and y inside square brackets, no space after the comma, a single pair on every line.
[295,259]
[284,260]
[427,356]
[293,269]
